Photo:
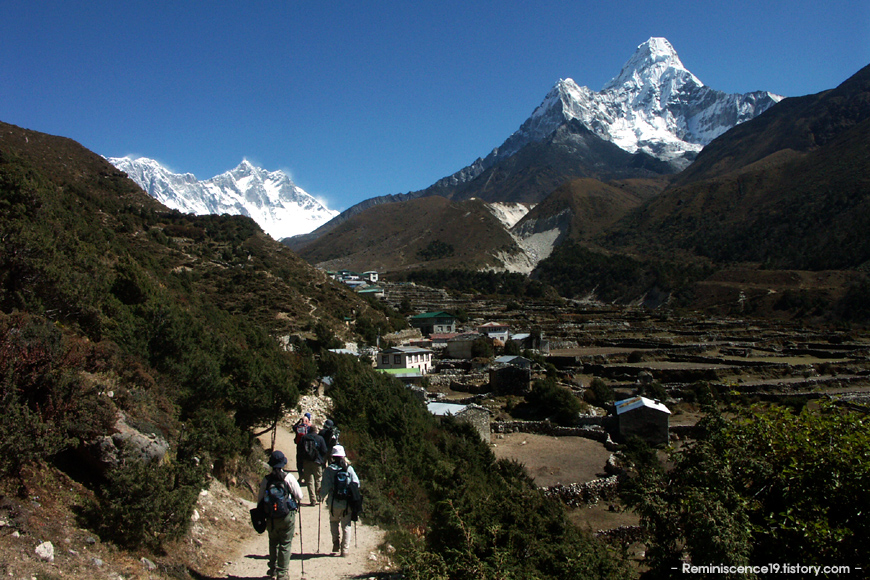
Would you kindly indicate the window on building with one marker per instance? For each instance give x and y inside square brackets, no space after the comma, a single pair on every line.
[397,359]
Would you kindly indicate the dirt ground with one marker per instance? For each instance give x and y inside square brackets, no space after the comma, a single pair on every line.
[553,460]
[226,546]
[312,543]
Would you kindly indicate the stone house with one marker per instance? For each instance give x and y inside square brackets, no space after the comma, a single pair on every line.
[644,418]
[460,346]
[510,380]
[514,360]
[475,415]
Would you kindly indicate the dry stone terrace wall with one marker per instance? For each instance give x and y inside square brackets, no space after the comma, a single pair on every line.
[587,493]
[764,358]
[594,430]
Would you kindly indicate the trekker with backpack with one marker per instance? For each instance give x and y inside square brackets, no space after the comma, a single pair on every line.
[279,497]
[330,435]
[312,450]
[301,428]
[341,488]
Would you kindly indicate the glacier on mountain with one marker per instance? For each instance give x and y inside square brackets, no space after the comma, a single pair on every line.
[280,207]
[654,105]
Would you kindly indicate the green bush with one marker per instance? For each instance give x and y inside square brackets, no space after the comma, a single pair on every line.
[454,511]
[146,504]
[436,249]
[599,392]
[48,407]
[770,485]
[554,401]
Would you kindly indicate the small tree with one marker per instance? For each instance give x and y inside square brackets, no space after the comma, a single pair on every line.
[512,348]
[556,402]
[482,348]
[599,392]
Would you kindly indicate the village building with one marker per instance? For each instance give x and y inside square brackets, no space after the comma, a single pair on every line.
[371,276]
[644,418]
[477,416]
[495,330]
[368,290]
[462,345]
[406,357]
[528,341]
[514,360]
[434,322]
[439,339]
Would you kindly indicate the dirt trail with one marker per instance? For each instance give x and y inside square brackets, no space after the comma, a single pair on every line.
[364,559]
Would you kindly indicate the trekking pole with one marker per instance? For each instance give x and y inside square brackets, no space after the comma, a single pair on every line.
[354,535]
[301,550]
[319,514]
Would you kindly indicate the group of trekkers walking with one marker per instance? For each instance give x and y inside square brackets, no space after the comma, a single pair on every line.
[325,471]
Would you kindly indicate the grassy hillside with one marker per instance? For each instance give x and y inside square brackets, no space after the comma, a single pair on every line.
[114,308]
[118,314]
[587,207]
[430,232]
[792,211]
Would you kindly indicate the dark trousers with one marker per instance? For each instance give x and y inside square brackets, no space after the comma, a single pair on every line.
[280,537]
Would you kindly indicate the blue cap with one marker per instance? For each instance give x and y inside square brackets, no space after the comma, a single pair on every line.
[277,460]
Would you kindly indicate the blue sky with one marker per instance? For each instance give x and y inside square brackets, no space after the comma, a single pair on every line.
[358,99]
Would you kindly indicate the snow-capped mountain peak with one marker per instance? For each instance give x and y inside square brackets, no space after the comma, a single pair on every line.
[653,62]
[270,198]
[654,105]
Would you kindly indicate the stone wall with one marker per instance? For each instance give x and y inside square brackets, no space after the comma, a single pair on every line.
[583,494]
[593,432]
[623,535]
[478,417]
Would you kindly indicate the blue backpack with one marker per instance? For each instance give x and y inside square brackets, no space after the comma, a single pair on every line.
[277,501]
[342,486]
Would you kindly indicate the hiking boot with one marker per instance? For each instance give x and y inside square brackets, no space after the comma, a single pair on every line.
[336,547]
[343,553]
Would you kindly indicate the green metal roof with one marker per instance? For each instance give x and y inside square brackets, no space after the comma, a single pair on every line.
[432,315]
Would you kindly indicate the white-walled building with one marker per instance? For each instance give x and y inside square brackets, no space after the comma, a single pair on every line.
[496,330]
[406,357]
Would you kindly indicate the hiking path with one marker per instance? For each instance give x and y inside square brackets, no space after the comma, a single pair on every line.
[364,560]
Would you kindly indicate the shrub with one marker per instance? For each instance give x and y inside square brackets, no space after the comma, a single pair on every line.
[769,484]
[47,405]
[556,402]
[599,392]
[146,504]
[481,518]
